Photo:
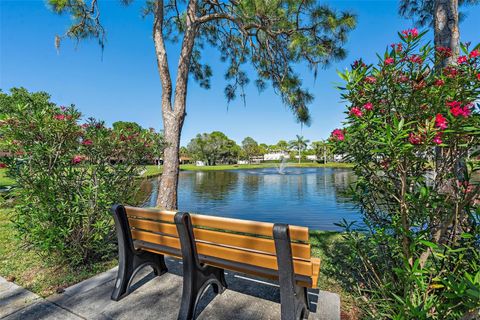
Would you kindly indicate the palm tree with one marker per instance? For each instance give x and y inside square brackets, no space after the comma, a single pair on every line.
[299,144]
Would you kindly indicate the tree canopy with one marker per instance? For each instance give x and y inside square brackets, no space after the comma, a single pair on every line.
[271,35]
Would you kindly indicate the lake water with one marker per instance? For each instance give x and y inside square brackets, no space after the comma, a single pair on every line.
[312,197]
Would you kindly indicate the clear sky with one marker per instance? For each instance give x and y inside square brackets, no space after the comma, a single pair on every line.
[124,84]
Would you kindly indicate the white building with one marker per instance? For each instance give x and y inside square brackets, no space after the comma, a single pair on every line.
[199,163]
[275,156]
[312,157]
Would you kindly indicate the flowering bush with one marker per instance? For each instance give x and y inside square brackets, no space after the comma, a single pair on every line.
[413,133]
[68,175]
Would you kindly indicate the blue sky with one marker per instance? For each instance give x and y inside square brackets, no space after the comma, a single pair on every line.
[124,84]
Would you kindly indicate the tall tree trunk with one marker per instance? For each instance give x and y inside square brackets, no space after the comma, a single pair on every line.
[446,33]
[173,116]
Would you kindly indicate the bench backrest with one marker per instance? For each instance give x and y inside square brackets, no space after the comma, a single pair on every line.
[241,241]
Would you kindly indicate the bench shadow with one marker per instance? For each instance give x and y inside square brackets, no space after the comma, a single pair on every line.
[249,285]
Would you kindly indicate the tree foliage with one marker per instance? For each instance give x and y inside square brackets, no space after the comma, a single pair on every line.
[422,11]
[213,148]
[272,35]
[415,256]
[68,175]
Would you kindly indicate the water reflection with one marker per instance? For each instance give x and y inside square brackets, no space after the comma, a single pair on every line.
[314,197]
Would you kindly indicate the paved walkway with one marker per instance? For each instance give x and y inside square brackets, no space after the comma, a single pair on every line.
[156,298]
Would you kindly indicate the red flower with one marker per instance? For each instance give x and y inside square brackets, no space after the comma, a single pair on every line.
[444,51]
[87,142]
[450,71]
[416,59]
[456,109]
[478,76]
[439,82]
[413,33]
[356,112]
[389,61]
[338,134]
[368,106]
[414,138]
[59,117]
[474,53]
[441,122]
[438,138]
[2,165]
[370,79]
[462,59]
[77,159]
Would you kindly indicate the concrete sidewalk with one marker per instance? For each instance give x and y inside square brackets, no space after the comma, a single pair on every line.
[157,298]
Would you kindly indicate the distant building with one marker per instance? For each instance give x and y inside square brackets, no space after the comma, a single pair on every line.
[242,162]
[339,157]
[275,156]
[312,157]
[199,163]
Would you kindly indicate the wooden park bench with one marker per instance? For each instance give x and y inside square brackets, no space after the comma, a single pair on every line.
[208,245]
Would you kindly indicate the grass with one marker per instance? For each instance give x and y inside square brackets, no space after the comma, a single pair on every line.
[326,245]
[29,269]
[5,181]
[152,170]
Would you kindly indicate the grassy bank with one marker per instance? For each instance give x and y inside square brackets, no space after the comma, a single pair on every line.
[29,269]
[155,170]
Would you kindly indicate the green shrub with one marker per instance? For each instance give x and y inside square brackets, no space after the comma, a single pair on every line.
[413,134]
[68,175]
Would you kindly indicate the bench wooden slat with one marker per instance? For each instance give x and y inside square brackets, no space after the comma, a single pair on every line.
[154,214]
[237,255]
[156,238]
[315,272]
[247,226]
[237,225]
[248,257]
[299,250]
[165,228]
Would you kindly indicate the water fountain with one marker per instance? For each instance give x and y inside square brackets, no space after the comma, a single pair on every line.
[281,167]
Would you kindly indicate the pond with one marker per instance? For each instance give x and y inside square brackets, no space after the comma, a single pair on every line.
[312,197]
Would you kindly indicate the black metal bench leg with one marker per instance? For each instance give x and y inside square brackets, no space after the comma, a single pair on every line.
[293,298]
[131,261]
[196,277]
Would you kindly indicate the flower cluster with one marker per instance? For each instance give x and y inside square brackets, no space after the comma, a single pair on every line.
[457,110]
[410,33]
[338,134]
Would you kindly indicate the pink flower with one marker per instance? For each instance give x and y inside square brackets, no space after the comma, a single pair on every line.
[2,165]
[441,122]
[414,138]
[416,59]
[438,138]
[77,159]
[368,106]
[338,134]
[85,125]
[356,112]
[59,117]
[474,53]
[462,59]
[439,82]
[389,61]
[478,76]
[87,142]
[398,47]
[370,79]
[413,33]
